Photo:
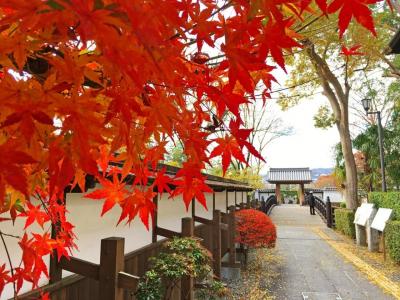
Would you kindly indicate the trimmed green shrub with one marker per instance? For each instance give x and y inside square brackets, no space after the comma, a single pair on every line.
[387,200]
[392,239]
[344,221]
[342,204]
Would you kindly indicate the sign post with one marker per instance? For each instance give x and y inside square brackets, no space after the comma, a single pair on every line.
[362,220]
[379,223]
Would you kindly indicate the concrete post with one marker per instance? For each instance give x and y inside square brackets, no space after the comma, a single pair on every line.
[372,234]
[361,235]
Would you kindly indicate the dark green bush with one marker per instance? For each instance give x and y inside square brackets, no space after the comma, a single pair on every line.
[392,239]
[179,257]
[342,204]
[387,200]
[344,221]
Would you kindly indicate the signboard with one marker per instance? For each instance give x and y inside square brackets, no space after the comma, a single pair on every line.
[382,216]
[363,213]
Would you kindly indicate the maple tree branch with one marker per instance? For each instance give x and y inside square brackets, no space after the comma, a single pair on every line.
[318,65]
[9,260]
[10,235]
[309,23]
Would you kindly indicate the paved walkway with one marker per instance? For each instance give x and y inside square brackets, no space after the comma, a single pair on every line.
[312,269]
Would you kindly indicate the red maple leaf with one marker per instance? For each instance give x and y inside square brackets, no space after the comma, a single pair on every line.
[21,275]
[162,181]
[242,134]
[139,202]
[191,184]
[276,40]
[353,8]
[34,213]
[113,191]
[304,4]
[12,171]
[227,148]
[4,277]
[351,51]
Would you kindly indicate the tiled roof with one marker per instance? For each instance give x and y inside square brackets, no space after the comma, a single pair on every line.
[289,175]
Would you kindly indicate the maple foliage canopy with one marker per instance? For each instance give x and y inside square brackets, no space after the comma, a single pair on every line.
[88,82]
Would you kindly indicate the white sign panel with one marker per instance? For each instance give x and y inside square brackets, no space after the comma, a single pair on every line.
[363,213]
[382,216]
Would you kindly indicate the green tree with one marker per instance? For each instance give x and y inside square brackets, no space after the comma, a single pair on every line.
[322,67]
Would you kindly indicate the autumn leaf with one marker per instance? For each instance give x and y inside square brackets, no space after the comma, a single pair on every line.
[162,181]
[12,171]
[34,213]
[227,148]
[190,183]
[138,202]
[357,9]
[4,277]
[242,135]
[112,191]
[276,40]
[21,275]
[351,51]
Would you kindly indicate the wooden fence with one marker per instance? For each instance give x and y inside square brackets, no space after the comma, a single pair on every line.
[117,274]
[326,211]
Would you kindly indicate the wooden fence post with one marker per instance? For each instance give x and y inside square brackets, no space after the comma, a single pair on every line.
[111,263]
[328,212]
[55,270]
[231,234]
[187,283]
[216,242]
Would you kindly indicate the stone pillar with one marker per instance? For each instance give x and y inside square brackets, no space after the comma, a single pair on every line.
[278,193]
[301,194]
[372,234]
[361,236]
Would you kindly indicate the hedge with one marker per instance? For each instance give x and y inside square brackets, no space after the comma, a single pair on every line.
[392,229]
[392,239]
[344,221]
[387,200]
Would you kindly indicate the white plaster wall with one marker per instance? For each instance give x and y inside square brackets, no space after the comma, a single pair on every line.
[201,211]
[334,196]
[231,198]
[220,201]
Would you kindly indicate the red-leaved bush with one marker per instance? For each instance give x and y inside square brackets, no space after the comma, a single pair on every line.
[255,229]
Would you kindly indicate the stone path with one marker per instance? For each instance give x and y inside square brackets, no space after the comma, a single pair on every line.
[311,269]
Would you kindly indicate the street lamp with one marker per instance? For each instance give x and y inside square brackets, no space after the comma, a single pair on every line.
[367,106]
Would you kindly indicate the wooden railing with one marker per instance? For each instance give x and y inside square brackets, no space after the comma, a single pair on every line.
[326,211]
[117,275]
[265,205]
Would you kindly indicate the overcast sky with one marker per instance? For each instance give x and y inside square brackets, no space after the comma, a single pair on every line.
[307,146]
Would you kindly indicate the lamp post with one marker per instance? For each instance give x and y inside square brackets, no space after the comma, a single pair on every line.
[367,106]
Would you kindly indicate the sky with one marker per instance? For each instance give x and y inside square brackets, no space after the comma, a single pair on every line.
[307,146]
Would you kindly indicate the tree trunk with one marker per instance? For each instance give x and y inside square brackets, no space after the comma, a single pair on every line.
[338,96]
[350,166]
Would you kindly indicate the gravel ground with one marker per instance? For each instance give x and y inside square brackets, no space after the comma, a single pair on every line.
[375,259]
[257,280]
